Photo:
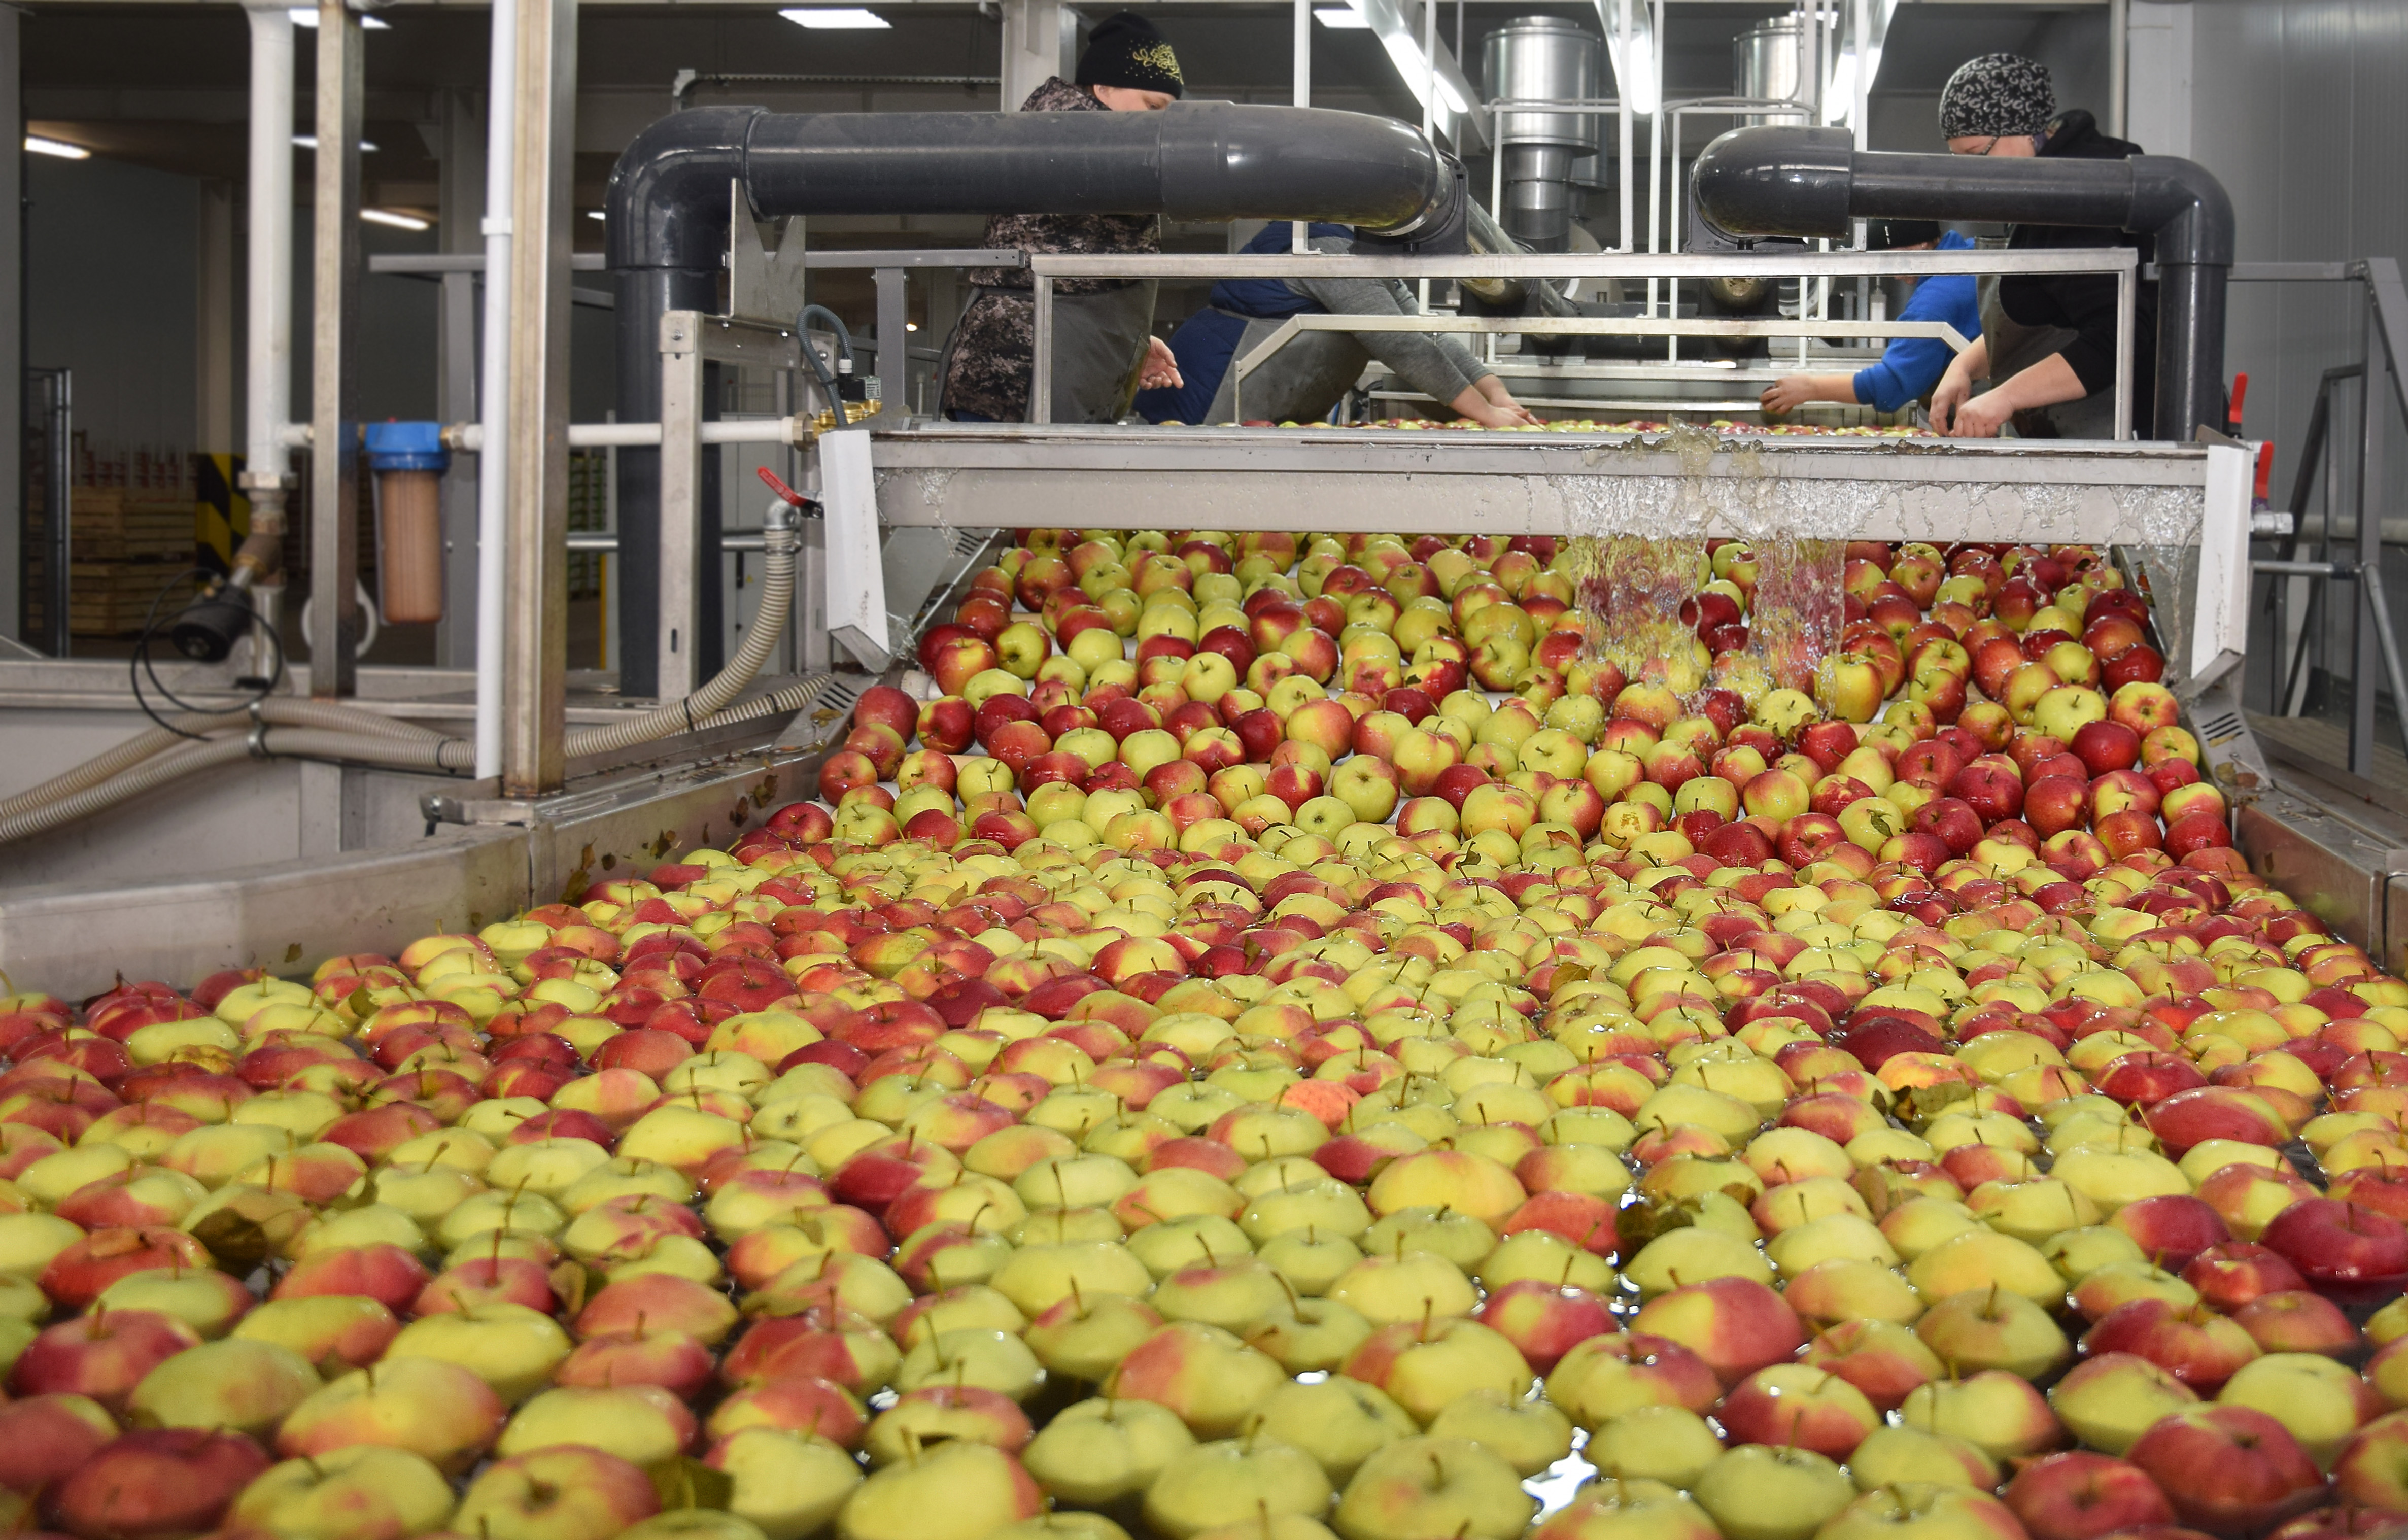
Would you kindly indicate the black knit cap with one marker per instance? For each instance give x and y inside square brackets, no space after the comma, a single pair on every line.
[1999,94]
[1126,49]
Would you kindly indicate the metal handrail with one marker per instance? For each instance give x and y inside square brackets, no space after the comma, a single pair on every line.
[2123,262]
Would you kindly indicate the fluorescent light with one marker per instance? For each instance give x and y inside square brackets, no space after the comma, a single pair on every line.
[1636,75]
[596,213]
[399,222]
[64,150]
[836,19]
[911,325]
[1406,54]
[1340,18]
[309,141]
[1840,100]
[307,16]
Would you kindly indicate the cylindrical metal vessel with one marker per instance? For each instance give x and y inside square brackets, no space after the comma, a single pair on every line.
[1766,64]
[1545,59]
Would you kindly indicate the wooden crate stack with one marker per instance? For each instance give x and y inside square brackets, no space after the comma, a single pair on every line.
[125,544]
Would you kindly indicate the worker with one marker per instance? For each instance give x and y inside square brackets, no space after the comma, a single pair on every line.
[1304,379]
[1909,366]
[2048,341]
[1104,347]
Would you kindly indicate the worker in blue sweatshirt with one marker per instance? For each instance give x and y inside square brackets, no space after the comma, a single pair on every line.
[1909,367]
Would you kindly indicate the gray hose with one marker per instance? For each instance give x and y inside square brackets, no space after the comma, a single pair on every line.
[172,766]
[306,729]
[144,745]
[695,710]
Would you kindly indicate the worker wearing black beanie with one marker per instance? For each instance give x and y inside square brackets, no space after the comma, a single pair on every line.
[1104,347]
[1129,52]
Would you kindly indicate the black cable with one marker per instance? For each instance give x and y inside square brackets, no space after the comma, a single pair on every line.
[140,663]
[819,365]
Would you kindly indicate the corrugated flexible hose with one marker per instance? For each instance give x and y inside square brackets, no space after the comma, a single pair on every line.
[303,729]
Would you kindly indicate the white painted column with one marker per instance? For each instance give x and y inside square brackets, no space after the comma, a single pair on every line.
[2158,64]
[1040,39]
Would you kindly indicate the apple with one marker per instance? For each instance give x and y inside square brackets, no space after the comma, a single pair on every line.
[155,1481]
[2080,1495]
[365,1491]
[2229,1468]
[568,1490]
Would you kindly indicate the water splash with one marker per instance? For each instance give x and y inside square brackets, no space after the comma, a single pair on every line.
[2165,561]
[1639,552]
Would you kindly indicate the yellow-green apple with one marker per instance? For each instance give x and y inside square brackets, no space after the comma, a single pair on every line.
[1203,1372]
[953,1491]
[334,1333]
[247,1386]
[569,1491]
[1254,1481]
[1434,1485]
[1993,1329]
[2322,1402]
[1423,1366]
[1668,1444]
[433,1409]
[1932,1511]
[365,1491]
[1083,1339]
[1899,1456]
[1760,1492]
[1606,1376]
[1529,1435]
[789,1485]
[1339,1421]
[641,1424]
[1097,1454]
[1880,1358]
[1998,1413]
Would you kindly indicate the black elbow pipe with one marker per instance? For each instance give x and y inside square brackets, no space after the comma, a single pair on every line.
[667,210]
[1809,183]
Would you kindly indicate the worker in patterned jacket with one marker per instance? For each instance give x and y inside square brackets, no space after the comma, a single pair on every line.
[1104,346]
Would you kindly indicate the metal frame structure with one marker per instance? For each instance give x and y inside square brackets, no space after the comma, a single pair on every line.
[2385,308]
[2120,261]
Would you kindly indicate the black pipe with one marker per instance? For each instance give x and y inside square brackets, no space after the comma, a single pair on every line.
[667,210]
[1812,182]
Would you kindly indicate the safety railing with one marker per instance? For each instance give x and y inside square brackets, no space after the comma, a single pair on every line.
[2121,261]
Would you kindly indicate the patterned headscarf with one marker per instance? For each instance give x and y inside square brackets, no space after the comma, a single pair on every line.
[1127,50]
[1997,93]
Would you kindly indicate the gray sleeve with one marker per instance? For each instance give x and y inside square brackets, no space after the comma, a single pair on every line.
[1433,363]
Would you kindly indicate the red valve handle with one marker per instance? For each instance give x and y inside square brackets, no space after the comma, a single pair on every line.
[786,495]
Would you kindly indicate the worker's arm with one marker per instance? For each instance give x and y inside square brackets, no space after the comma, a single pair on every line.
[1792,391]
[2045,384]
[1436,366]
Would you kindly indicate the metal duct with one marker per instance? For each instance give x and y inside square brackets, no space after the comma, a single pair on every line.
[1812,182]
[1768,64]
[1542,58]
[667,229]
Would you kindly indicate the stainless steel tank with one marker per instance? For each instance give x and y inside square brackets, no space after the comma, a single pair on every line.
[1542,58]
[1768,64]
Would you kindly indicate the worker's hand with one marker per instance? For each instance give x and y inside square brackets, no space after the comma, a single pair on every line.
[1955,388]
[1981,417]
[1493,391]
[1787,394]
[1160,370]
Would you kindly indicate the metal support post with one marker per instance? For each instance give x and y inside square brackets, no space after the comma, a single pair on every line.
[2369,559]
[1041,373]
[1039,38]
[12,331]
[1300,93]
[680,504]
[536,629]
[893,350]
[334,274]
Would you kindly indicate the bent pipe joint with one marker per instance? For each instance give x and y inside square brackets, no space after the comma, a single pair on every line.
[1809,183]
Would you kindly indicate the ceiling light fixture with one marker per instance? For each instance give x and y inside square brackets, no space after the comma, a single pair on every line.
[64,150]
[399,222]
[307,16]
[1340,19]
[309,141]
[837,19]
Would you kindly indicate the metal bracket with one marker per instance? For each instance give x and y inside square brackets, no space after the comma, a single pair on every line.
[764,286]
